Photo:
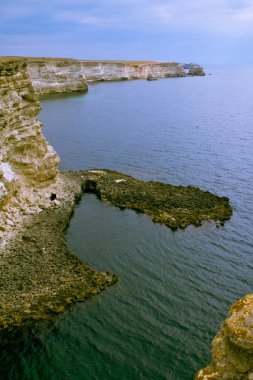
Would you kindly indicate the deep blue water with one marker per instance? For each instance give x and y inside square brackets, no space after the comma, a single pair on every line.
[174,288]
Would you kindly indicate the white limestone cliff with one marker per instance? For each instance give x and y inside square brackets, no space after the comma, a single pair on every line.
[123,70]
[50,75]
[56,75]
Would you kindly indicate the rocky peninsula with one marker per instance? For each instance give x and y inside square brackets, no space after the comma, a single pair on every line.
[39,275]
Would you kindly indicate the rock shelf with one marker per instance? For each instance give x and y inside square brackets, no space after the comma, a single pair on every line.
[40,276]
[174,206]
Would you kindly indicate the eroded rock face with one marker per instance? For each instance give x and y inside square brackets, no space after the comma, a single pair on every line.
[27,162]
[50,75]
[232,348]
[57,75]
[113,70]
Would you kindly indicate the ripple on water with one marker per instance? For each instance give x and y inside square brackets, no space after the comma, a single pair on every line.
[174,288]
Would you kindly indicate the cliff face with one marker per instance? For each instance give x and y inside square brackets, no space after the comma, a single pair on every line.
[50,75]
[58,75]
[110,70]
[67,75]
[27,162]
[232,348]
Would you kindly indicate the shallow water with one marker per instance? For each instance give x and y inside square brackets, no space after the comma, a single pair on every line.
[174,288]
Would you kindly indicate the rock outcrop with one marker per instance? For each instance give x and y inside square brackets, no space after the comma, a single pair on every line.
[27,161]
[232,348]
[39,276]
[56,75]
[196,70]
[174,206]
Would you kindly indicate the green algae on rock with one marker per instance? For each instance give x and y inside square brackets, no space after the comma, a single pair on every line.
[39,275]
[174,206]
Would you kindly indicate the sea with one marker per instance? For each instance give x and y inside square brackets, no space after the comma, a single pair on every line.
[174,288]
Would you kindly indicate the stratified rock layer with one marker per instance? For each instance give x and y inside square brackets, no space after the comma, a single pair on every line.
[123,70]
[23,147]
[27,161]
[57,75]
[232,348]
[50,75]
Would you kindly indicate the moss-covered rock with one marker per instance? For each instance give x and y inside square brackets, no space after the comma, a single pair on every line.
[40,276]
[174,206]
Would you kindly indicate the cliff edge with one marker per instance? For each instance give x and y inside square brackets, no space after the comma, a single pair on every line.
[27,161]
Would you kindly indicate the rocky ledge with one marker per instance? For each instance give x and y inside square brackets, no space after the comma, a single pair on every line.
[174,206]
[232,348]
[39,276]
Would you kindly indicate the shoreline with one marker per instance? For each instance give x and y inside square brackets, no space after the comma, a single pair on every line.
[40,276]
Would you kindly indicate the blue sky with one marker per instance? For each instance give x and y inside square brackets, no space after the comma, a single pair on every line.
[202,31]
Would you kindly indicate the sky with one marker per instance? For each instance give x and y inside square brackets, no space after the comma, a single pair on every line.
[201,31]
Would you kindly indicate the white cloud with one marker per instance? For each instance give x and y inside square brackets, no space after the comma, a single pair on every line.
[227,17]
[224,17]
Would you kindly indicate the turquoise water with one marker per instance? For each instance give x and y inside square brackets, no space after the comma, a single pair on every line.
[174,288]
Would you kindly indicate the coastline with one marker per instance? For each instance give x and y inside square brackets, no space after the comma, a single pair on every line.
[40,276]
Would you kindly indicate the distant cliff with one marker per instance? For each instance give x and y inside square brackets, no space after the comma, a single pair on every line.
[194,69]
[66,75]
[50,75]
[123,70]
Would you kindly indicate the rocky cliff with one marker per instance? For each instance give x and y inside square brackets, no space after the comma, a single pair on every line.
[56,75]
[123,70]
[27,162]
[39,275]
[49,75]
[66,75]
[232,348]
